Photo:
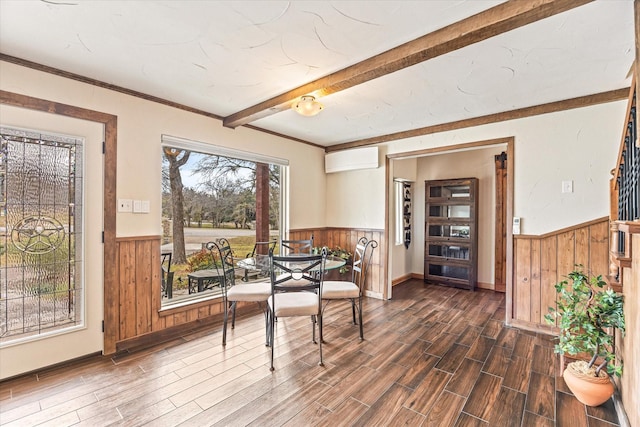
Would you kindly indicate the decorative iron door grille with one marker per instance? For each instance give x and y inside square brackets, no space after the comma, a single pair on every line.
[40,233]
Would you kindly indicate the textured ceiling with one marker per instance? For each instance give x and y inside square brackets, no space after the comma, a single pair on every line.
[222,57]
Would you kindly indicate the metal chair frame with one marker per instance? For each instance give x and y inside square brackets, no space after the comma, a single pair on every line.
[166,278]
[222,249]
[271,244]
[291,247]
[296,274]
[362,256]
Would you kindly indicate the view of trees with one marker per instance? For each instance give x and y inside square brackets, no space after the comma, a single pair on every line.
[223,193]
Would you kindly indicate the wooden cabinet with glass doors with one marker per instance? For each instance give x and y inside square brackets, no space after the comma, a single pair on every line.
[451,242]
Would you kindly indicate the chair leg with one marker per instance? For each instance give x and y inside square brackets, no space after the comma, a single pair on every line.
[233,315]
[271,327]
[320,333]
[266,326]
[353,310]
[313,329]
[224,323]
[360,318]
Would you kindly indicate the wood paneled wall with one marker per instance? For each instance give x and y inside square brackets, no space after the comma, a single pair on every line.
[137,315]
[347,238]
[542,261]
[629,345]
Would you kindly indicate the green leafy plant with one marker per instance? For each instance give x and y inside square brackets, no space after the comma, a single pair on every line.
[337,252]
[584,312]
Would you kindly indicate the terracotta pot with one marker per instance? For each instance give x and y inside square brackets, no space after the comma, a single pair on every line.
[592,391]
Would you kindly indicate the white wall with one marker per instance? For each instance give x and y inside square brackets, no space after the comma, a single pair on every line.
[579,145]
[354,199]
[140,126]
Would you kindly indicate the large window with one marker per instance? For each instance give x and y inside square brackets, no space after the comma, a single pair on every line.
[210,192]
[41,287]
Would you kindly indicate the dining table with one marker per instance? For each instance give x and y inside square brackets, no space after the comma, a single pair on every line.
[261,263]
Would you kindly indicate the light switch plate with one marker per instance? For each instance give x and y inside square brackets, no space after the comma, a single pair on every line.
[567,186]
[137,206]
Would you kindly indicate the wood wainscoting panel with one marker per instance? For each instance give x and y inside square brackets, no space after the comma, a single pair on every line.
[542,261]
[347,238]
[548,275]
[139,319]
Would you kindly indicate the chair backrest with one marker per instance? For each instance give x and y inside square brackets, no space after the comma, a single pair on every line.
[361,260]
[222,257]
[296,273]
[165,261]
[166,275]
[292,247]
[262,248]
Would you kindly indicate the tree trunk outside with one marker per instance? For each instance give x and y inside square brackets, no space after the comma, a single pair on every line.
[175,180]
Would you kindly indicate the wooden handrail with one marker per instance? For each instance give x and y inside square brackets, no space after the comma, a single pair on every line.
[620,231]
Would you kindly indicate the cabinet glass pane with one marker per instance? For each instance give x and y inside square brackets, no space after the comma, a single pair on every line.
[459,231]
[450,191]
[448,271]
[450,211]
[448,251]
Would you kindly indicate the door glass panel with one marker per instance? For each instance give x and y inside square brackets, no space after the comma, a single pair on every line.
[448,251]
[450,191]
[40,233]
[449,271]
[449,211]
[458,231]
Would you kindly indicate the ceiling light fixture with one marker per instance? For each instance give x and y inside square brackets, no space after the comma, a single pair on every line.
[308,106]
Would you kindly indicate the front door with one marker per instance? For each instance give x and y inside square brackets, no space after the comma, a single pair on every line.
[51,262]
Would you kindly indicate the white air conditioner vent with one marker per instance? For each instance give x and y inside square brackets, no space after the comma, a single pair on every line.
[354,159]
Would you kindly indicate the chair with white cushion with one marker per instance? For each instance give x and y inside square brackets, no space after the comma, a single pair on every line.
[296,286]
[352,290]
[233,293]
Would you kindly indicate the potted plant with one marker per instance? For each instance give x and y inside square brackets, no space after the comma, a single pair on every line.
[337,252]
[585,312]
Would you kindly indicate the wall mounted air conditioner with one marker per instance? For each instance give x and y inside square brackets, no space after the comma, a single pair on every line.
[354,159]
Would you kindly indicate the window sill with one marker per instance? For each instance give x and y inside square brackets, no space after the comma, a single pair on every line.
[189,304]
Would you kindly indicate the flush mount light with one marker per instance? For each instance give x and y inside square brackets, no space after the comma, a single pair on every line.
[308,106]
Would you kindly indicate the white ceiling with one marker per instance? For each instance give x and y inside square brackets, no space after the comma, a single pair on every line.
[225,56]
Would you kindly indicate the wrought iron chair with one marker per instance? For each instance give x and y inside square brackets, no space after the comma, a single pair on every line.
[260,248]
[166,275]
[352,291]
[296,286]
[231,293]
[293,247]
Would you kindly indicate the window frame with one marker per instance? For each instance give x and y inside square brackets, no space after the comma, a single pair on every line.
[217,150]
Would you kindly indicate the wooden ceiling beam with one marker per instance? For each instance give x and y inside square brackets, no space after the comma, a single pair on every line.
[520,113]
[484,25]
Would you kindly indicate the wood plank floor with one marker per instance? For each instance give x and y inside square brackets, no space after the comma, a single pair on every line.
[432,356]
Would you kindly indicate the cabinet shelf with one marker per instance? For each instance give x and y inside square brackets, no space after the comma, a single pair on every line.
[450,232]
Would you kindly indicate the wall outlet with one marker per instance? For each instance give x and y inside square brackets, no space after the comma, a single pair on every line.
[125,205]
[567,186]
